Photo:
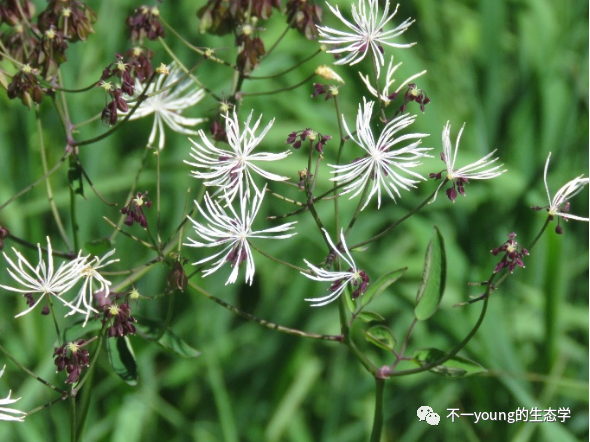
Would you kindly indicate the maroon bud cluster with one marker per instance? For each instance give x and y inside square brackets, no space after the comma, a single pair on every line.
[412,94]
[316,139]
[71,17]
[250,49]
[134,210]
[362,282]
[73,358]
[145,23]
[321,89]
[304,16]
[220,17]
[512,255]
[25,86]
[120,318]
[177,279]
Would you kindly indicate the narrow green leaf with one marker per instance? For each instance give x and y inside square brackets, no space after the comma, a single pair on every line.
[434,277]
[381,336]
[349,301]
[122,359]
[368,317]
[151,330]
[455,367]
[376,288]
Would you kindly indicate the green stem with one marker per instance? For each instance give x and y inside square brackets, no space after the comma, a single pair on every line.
[30,373]
[73,419]
[266,77]
[46,174]
[276,91]
[378,417]
[395,224]
[263,322]
[449,355]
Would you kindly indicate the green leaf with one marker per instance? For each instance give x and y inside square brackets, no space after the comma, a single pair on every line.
[122,359]
[76,330]
[368,317]
[381,284]
[434,277]
[381,336]
[455,367]
[151,330]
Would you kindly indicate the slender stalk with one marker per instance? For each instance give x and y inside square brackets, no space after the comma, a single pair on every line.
[50,199]
[263,322]
[280,261]
[33,375]
[378,417]
[292,68]
[276,91]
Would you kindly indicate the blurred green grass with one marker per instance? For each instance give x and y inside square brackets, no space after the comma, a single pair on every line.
[516,72]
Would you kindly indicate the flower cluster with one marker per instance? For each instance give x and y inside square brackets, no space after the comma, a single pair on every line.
[172,93]
[296,138]
[382,165]
[119,315]
[512,255]
[559,205]
[73,358]
[340,279]
[44,281]
[231,170]
[232,232]
[134,210]
[368,33]
[460,177]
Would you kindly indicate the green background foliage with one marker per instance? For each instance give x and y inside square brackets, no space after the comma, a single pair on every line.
[514,71]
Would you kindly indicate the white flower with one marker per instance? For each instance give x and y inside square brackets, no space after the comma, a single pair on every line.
[169,104]
[340,279]
[386,95]
[382,165]
[42,279]
[232,231]
[13,415]
[231,170]
[559,205]
[89,273]
[461,176]
[368,32]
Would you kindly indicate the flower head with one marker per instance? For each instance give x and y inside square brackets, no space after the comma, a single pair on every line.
[559,206]
[340,279]
[231,170]
[168,104]
[232,231]
[384,166]
[8,414]
[512,255]
[89,273]
[73,358]
[387,95]
[43,280]
[367,33]
[460,177]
